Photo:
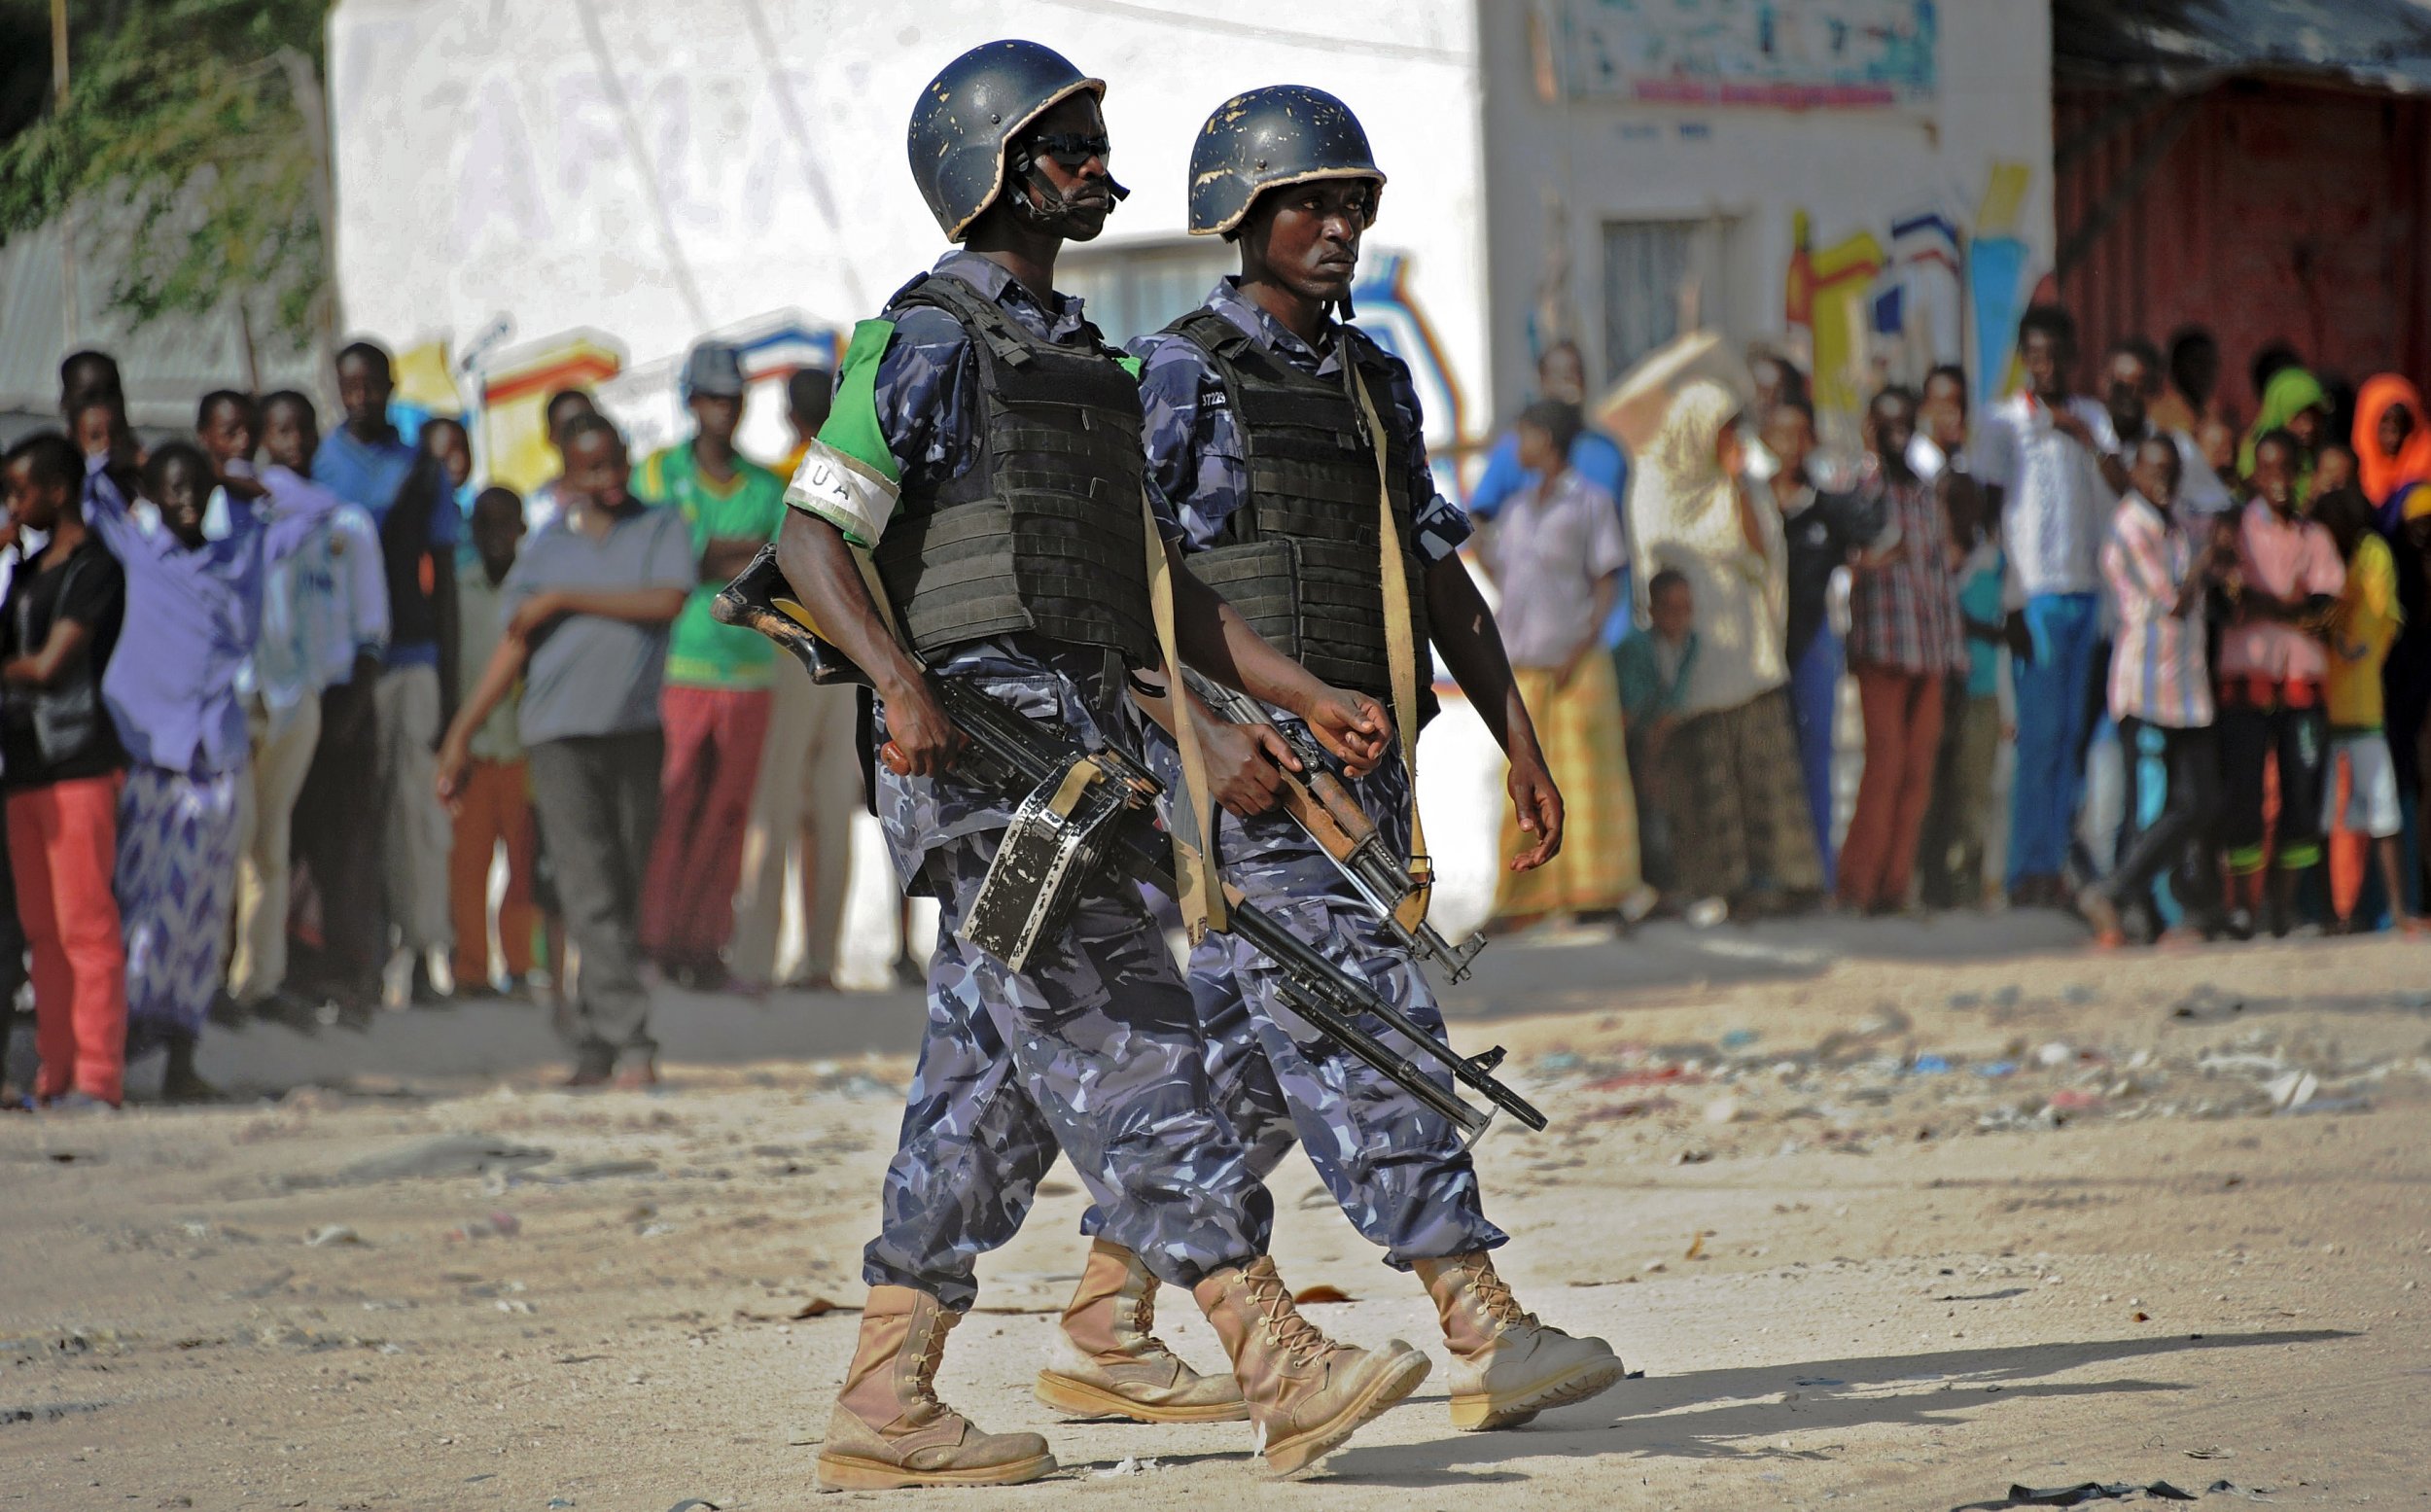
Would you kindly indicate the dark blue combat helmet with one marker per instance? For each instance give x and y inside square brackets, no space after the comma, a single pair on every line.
[971,112]
[1285,133]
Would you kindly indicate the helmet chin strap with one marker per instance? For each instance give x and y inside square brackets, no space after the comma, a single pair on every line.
[1051,206]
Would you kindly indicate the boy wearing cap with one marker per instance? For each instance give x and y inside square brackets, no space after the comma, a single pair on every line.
[716,703]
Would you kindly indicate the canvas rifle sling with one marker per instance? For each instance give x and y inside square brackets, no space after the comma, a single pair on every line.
[1401,648]
[1202,901]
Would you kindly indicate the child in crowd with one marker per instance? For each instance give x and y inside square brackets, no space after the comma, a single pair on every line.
[2334,468]
[493,806]
[2362,629]
[2160,689]
[63,767]
[2274,662]
[197,605]
[588,604]
[444,439]
[1652,667]
[1825,531]
[543,503]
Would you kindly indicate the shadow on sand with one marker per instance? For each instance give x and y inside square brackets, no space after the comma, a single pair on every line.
[1728,1414]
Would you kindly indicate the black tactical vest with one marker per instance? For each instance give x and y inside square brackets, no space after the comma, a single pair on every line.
[1044,533]
[1300,559]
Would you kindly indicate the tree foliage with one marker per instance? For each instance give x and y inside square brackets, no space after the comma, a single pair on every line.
[184,149]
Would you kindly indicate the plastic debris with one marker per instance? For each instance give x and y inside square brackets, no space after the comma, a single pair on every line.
[1930,1065]
[1737,1039]
[1128,1464]
[2293,1090]
[332,1234]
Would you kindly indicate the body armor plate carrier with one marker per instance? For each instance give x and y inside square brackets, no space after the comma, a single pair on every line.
[1300,559]
[1044,533]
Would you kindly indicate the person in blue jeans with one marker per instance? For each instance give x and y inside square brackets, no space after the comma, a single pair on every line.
[2053,487]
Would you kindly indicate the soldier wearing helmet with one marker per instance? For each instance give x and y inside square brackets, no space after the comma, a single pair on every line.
[1264,420]
[983,465]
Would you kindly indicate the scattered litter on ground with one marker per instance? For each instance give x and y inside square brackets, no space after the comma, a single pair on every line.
[2080,1494]
[1320,1292]
[496,1225]
[330,1234]
[1128,1464]
[46,1411]
[448,1154]
[603,1170]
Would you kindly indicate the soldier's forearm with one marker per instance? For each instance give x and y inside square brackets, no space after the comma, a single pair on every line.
[818,562]
[1214,638]
[1464,630]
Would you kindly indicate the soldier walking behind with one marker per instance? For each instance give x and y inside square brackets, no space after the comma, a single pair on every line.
[1248,403]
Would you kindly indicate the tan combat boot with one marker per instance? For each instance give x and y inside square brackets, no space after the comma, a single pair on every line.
[1306,1393]
[890,1430]
[1506,1366]
[1110,1362]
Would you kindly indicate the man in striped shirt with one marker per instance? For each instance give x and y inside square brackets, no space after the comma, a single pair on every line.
[2160,689]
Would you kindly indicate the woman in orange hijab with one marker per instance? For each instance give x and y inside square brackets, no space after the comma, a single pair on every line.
[2392,447]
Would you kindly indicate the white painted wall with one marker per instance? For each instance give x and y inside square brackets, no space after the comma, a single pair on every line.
[1850,169]
[654,172]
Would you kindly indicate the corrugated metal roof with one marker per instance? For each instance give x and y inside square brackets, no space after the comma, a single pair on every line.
[2376,44]
[167,363]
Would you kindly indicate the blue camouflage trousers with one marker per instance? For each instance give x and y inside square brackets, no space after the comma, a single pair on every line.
[1095,1048]
[1397,1169]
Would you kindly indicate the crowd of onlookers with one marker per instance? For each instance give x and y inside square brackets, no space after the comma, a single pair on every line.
[296,718]
[2204,644]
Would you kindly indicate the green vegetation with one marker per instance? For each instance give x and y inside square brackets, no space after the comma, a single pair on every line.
[192,128]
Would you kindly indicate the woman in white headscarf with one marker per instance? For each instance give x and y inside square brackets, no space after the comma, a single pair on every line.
[1742,836]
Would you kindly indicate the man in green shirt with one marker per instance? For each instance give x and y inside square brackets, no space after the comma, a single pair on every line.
[716,698]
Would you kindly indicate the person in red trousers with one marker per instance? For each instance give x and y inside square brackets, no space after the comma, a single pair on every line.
[63,770]
[1904,642]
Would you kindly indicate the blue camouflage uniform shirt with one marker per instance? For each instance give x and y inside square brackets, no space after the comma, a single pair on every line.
[926,398]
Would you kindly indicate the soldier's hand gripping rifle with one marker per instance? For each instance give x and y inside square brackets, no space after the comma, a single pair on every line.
[1321,805]
[1085,810]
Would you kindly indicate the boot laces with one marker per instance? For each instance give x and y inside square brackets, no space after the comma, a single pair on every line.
[1494,1297]
[1143,1324]
[924,1372]
[1298,1338]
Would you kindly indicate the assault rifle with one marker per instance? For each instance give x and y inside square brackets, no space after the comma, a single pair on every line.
[1321,805]
[1086,810]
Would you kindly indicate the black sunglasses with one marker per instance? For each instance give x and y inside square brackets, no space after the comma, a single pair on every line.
[1072,149]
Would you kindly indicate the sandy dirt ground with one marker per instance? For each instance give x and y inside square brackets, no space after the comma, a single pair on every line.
[1888,1235]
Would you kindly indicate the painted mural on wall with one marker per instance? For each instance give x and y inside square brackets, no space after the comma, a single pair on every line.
[1936,284]
[501,391]
[1798,54]
[1391,314]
